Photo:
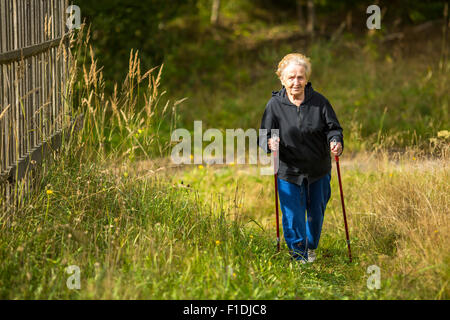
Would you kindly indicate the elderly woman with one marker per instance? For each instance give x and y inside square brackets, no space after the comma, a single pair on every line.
[308,131]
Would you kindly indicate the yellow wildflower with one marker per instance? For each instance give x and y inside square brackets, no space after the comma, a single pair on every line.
[444,134]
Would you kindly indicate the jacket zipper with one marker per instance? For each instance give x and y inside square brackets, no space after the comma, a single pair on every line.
[299,119]
[299,116]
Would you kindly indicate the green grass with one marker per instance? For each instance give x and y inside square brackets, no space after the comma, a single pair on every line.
[150,240]
[151,237]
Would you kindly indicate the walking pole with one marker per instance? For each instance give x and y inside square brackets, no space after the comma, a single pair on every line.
[276,199]
[343,207]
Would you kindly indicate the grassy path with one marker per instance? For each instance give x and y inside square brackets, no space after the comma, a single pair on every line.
[207,232]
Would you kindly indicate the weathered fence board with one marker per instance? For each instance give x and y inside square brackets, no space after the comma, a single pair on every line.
[32,89]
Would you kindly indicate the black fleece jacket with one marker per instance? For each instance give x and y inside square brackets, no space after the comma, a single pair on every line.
[305,133]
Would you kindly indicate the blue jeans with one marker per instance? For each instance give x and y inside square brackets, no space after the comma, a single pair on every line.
[297,203]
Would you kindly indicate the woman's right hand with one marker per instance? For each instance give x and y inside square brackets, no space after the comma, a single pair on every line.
[274,143]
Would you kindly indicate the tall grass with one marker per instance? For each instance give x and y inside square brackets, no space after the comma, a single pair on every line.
[211,236]
[114,128]
[131,122]
[128,238]
[398,215]
[403,217]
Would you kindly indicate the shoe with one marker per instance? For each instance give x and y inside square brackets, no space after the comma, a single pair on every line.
[311,255]
[298,257]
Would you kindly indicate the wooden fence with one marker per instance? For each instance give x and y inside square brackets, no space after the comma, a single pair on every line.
[33,78]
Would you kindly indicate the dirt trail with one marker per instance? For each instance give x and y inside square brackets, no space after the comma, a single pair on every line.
[363,162]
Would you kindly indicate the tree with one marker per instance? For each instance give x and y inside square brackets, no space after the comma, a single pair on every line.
[300,16]
[310,15]
[215,12]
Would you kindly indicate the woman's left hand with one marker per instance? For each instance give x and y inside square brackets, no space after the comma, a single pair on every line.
[336,148]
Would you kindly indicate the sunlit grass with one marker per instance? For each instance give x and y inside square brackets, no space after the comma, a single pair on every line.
[398,217]
[157,238]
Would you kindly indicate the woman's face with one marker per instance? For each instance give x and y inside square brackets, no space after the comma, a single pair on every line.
[294,79]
